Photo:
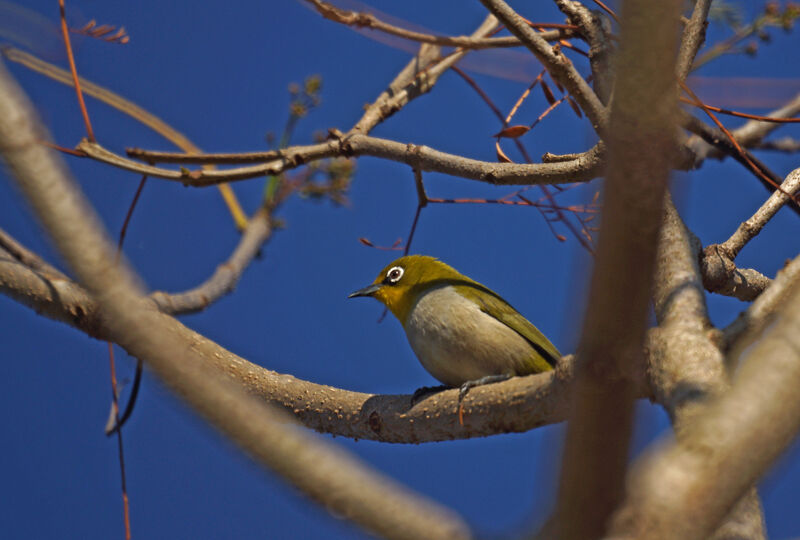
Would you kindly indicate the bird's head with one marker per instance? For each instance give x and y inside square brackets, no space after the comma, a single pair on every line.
[400,283]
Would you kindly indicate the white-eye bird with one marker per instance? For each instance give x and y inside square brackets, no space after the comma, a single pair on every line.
[463,333]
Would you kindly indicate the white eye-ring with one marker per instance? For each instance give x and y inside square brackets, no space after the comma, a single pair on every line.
[394,274]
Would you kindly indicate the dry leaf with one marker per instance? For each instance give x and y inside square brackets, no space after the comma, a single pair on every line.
[512,132]
[501,156]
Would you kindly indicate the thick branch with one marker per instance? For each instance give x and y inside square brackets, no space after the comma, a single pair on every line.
[687,488]
[686,365]
[641,149]
[517,405]
[325,473]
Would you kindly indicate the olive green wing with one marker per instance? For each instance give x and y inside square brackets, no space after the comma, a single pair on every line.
[492,304]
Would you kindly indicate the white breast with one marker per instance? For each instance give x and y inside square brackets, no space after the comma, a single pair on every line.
[457,342]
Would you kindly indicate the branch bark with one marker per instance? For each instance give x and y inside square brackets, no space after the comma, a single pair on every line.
[325,473]
[641,149]
[686,363]
[686,488]
[586,167]
[554,60]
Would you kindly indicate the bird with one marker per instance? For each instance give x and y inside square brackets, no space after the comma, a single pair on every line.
[462,332]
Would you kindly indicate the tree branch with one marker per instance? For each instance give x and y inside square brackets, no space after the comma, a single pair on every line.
[325,473]
[762,311]
[694,34]
[750,228]
[686,365]
[227,274]
[368,20]
[420,75]
[586,167]
[687,487]
[748,135]
[554,60]
[641,148]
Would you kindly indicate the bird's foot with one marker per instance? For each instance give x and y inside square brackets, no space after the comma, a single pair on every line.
[462,392]
[424,391]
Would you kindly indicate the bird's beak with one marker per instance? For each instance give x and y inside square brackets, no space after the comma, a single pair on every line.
[366,291]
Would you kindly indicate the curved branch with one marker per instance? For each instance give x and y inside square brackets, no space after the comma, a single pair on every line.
[517,405]
[585,167]
[325,473]
[721,276]
[224,278]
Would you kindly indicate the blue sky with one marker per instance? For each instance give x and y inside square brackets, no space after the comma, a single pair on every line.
[220,76]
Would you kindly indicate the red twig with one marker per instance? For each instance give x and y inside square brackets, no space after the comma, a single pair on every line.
[580,234]
[74,71]
[755,168]
[729,112]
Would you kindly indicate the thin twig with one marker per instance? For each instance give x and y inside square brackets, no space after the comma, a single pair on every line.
[129,108]
[368,20]
[74,71]
[753,225]
[554,60]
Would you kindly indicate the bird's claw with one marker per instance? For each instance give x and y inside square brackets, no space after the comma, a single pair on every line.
[419,393]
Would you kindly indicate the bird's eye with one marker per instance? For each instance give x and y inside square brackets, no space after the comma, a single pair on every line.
[394,274]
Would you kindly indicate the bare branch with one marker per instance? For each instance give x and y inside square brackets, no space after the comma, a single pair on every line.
[327,474]
[751,227]
[686,365]
[641,146]
[597,32]
[761,312]
[748,135]
[694,34]
[720,140]
[721,276]
[225,277]
[517,405]
[585,167]
[789,145]
[423,73]
[686,488]
[17,251]
[554,60]
[368,20]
